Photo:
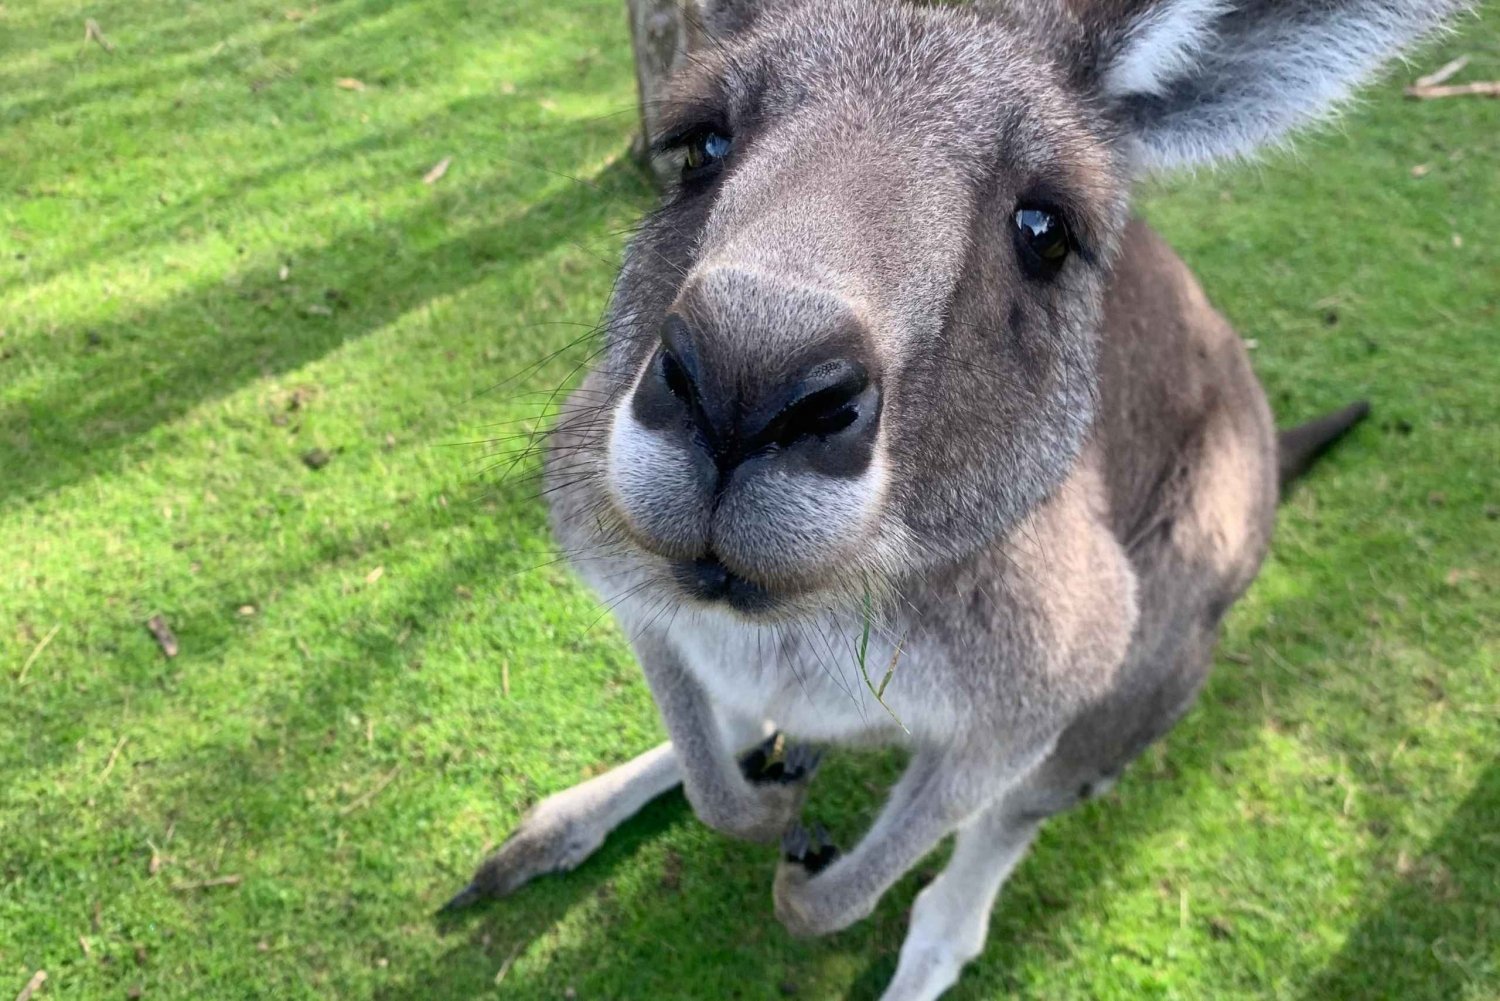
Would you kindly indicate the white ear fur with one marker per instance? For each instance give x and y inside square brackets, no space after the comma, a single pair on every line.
[1163,44]
[1194,81]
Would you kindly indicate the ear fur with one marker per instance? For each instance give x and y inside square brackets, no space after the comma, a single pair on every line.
[1194,81]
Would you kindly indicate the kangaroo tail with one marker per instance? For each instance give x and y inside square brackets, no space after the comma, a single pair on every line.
[1297,448]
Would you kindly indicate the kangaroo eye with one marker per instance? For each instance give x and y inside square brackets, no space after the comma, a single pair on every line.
[1043,238]
[704,152]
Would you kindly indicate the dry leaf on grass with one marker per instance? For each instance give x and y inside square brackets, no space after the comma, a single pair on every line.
[92,33]
[349,83]
[165,638]
[438,170]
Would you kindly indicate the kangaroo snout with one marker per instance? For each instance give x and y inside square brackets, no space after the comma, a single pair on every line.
[746,453]
[827,408]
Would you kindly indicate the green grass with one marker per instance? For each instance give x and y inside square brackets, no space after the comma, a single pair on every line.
[347,742]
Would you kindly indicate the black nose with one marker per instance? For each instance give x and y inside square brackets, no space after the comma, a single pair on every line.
[827,407]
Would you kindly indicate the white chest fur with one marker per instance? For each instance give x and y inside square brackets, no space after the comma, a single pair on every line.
[806,677]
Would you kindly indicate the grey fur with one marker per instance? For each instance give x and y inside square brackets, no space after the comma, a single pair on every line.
[1198,80]
[1071,481]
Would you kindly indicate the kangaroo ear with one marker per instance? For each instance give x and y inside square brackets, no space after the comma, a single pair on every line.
[1193,81]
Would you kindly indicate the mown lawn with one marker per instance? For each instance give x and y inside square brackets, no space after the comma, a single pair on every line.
[216,260]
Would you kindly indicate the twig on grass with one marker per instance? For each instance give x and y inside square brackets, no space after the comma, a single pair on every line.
[208,884]
[509,962]
[1443,73]
[114,756]
[1426,88]
[36,652]
[364,799]
[154,864]
[1479,88]
[93,33]
[37,980]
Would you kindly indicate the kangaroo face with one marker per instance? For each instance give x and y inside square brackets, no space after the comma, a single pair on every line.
[859,336]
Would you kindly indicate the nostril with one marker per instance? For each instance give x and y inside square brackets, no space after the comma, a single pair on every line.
[826,412]
[679,383]
[828,402]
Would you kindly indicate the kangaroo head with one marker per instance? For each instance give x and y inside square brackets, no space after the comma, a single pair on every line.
[859,337]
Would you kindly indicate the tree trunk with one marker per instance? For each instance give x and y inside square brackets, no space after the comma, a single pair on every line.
[659,33]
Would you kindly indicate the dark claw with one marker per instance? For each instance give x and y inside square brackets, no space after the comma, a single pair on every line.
[813,851]
[754,765]
[794,843]
[801,761]
[467,897]
[798,761]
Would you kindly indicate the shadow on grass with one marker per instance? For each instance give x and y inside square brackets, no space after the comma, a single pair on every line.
[197,207]
[1439,924]
[216,337]
[323,686]
[282,735]
[699,932]
[694,943]
[194,47]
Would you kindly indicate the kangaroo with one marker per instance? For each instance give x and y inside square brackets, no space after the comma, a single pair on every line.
[906,432]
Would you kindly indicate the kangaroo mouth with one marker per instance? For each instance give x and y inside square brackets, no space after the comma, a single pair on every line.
[708,580]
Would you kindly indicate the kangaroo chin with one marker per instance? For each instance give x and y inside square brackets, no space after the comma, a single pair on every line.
[906,432]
